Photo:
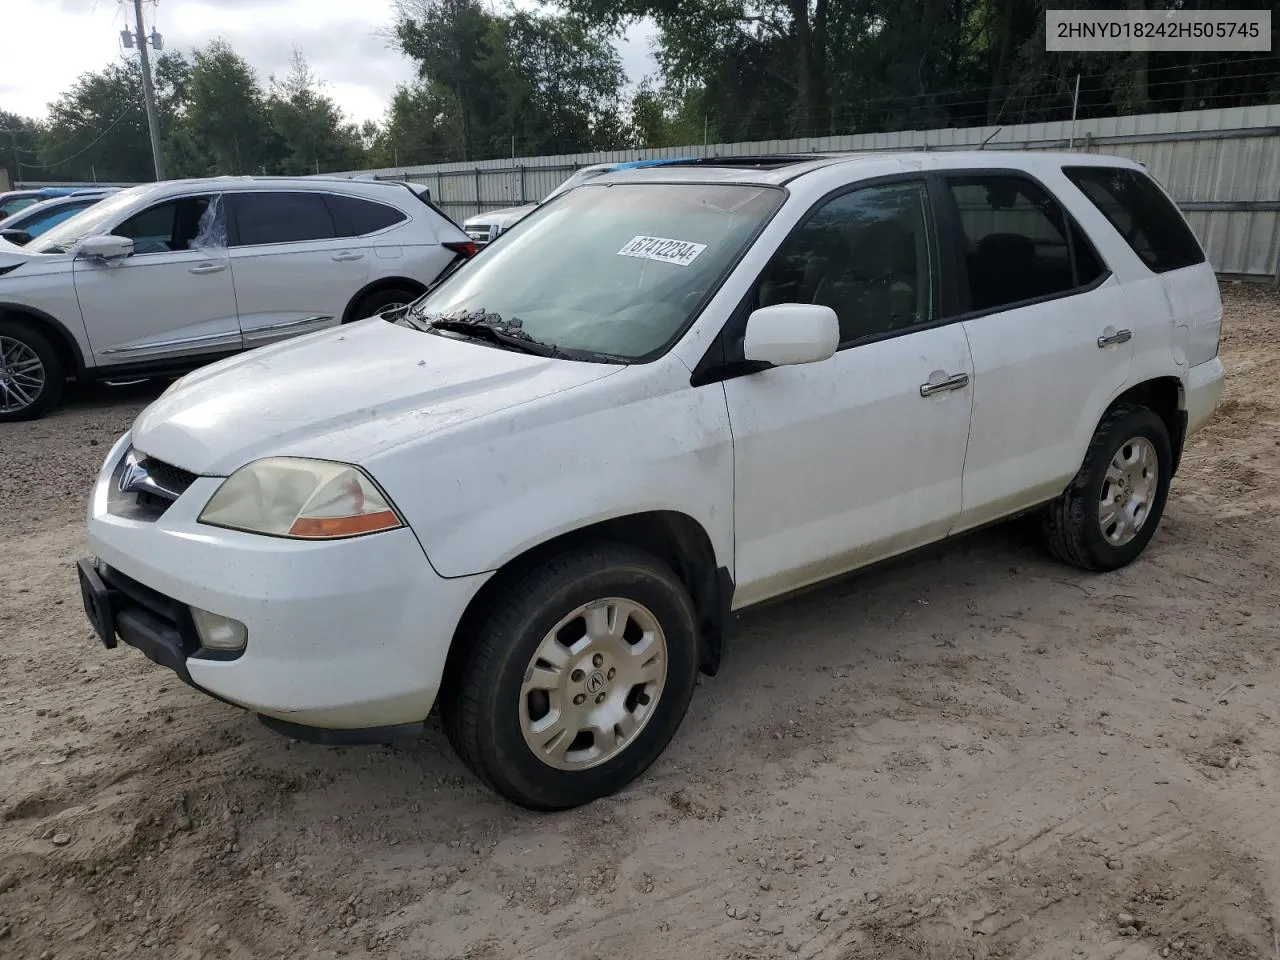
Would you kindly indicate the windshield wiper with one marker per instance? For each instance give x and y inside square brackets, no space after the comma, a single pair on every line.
[483,325]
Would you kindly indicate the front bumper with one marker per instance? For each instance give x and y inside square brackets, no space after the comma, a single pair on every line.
[342,635]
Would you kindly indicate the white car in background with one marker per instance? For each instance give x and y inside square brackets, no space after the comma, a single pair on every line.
[484,228]
[161,278]
[539,494]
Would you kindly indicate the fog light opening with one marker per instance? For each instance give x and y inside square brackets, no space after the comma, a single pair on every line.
[217,632]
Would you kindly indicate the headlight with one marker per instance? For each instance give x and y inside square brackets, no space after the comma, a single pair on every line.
[307,499]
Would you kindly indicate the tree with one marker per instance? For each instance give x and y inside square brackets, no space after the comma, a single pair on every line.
[545,83]
[226,114]
[309,126]
[800,68]
[560,86]
[422,125]
[19,144]
[755,61]
[660,118]
[97,130]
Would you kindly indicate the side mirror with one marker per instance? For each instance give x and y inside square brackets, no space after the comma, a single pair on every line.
[789,333]
[106,247]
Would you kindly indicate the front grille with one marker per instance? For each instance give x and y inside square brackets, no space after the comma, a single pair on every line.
[143,487]
[168,476]
[480,234]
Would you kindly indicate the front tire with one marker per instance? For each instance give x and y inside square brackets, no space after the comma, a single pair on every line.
[31,374]
[1110,511]
[576,679]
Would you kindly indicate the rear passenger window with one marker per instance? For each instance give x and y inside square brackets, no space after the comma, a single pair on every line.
[1142,214]
[282,218]
[356,217]
[1019,244]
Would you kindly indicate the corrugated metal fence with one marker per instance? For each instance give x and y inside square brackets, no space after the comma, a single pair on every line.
[1223,167]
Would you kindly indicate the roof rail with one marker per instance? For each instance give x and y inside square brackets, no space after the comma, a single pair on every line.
[762,161]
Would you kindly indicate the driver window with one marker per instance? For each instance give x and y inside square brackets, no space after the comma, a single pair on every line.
[867,255]
[166,227]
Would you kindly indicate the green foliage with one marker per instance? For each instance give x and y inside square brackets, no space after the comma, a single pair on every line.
[308,125]
[545,84]
[493,81]
[794,68]
[227,113]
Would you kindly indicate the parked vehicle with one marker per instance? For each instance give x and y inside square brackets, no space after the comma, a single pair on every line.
[161,278]
[538,495]
[484,228]
[27,224]
[14,200]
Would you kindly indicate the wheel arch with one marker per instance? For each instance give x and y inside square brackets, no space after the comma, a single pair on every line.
[63,341]
[1165,397]
[675,538]
[373,286]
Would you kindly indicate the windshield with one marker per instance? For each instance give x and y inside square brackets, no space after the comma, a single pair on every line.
[14,204]
[61,238]
[610,269]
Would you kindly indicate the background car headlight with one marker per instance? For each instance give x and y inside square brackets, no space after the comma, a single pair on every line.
[307,499]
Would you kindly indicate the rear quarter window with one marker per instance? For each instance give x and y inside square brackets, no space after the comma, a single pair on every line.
[357,218]
[1141,213]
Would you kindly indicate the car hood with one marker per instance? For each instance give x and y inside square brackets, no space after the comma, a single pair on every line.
[344,394]
[502,218]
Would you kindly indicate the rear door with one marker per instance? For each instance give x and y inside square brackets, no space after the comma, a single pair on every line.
[1050,334]
[293,270]
[1150,223]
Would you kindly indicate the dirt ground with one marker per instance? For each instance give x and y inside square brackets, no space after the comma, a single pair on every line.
[977,754]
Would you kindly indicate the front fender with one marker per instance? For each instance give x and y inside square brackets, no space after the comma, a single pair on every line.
[642,440]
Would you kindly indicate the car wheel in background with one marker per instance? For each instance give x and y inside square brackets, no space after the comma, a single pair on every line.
[382,301]
[31,374]
[576,679]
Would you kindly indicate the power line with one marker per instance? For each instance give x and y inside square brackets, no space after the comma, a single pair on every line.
[57,163]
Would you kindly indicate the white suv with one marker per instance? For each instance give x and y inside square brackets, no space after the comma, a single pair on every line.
[538,496]
[160,278]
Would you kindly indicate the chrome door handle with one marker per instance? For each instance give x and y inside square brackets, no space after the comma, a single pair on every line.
[347,256]
[955,382]
[1120,336]
[209,268]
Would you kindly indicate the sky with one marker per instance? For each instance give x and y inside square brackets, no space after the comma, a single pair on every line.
[342,40]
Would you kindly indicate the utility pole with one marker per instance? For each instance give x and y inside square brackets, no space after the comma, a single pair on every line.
[148,91]
[1075,105]
[17,160]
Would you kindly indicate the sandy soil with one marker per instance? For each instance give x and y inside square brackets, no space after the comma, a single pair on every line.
[977,754]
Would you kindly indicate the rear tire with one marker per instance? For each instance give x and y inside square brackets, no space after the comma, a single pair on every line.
[1110,511]
[576,679]
[380,301]
[31,374]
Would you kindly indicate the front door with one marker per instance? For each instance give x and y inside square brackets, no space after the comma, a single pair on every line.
[859,457]
[172,298]
[293,272]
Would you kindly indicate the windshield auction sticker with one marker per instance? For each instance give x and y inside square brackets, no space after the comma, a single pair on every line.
[680,252]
